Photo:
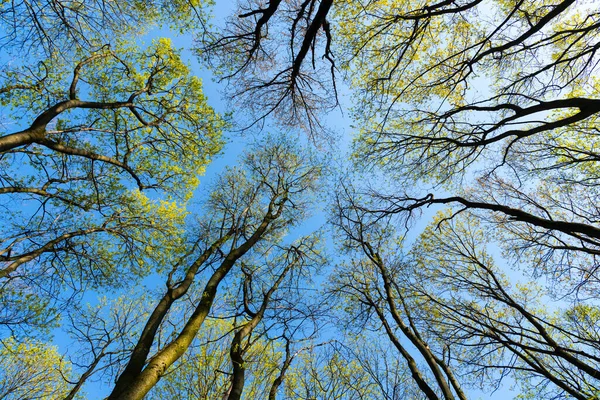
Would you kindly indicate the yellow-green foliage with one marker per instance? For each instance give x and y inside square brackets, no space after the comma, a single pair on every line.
[412,62]
[32,370]
[202,371]
[45,26]
[321,375]
[162,150]
[179,134]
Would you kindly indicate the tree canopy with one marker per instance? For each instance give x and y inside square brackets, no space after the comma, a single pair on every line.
[92,137]
[454,251]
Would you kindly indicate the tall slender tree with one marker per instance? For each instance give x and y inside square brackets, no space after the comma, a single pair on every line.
[249,209]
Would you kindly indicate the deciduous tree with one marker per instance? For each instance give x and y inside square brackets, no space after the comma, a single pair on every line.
[101,136]
[31,370]
[248,210]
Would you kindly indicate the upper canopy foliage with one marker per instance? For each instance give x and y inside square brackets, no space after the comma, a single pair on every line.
[102,145]
[60,26]
[494,101]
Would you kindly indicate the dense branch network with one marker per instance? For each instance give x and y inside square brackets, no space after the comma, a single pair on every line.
[281,79]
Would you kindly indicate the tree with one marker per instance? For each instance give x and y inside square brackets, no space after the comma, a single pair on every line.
[550,229]
[269,76]
[242,358]
[202,373]
[460,311]
[102,336]
[51,26]
[390,379]
[436,118]
[123,122]
[415,67]
[323,372]
[247,211]
[490,324]
[31,370]
[371,286]
[451,91]
[288,267]
[489,110]
[103,146]
[445,89]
